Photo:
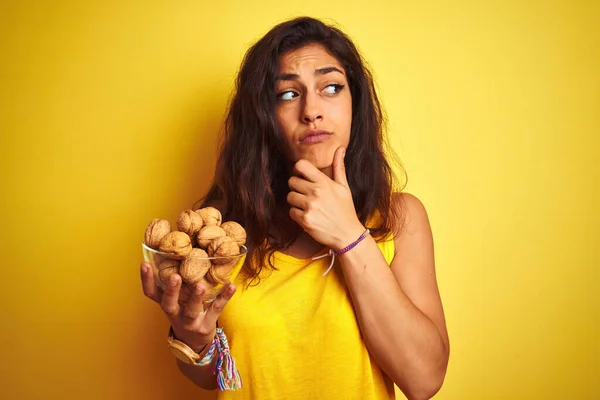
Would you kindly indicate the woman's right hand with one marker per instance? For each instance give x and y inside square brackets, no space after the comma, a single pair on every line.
[192,324]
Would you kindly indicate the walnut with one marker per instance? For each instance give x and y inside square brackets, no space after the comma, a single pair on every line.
[210,215]
[223,246]
[190,222]
[165,273]
[168,264]
[220,273]
[208,234]
[235,231]
[155,232]
[194,266]
[158,258]
[177,244]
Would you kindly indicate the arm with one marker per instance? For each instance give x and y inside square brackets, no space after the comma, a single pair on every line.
[203,377]
[398,307]
[192,324]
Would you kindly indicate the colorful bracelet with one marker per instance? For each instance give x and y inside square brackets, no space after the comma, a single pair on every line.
[353,244]
[228,377]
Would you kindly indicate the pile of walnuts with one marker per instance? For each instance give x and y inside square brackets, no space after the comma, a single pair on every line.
[202,249]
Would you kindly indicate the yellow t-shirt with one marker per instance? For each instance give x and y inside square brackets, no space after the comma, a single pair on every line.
[295,336]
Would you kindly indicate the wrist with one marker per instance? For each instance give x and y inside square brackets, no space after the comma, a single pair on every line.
[197,346]
[350,236]
[185,353]
[357,238]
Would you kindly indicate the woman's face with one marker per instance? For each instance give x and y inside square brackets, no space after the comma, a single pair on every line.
[314,105]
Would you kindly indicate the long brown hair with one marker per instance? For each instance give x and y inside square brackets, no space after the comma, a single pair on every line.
[250,183]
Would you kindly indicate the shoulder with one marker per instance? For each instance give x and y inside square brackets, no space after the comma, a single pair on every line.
[410,213]
[412,230]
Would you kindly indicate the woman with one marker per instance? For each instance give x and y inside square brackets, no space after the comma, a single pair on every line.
[303,169]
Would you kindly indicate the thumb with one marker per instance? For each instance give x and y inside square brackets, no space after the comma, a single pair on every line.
[339,168]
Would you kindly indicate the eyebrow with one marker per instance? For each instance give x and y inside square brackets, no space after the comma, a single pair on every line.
[320,71]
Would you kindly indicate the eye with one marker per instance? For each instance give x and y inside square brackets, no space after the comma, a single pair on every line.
[287,95]
[333,88]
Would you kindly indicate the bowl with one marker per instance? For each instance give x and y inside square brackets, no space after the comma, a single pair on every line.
[222,270]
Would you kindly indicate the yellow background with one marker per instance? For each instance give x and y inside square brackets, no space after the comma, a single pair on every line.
[108,117]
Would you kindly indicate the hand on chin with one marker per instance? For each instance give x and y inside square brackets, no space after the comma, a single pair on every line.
[322,160]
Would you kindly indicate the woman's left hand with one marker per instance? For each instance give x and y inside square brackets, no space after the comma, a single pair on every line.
[323,207]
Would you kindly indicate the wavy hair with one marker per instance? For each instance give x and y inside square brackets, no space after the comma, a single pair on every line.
[250,182]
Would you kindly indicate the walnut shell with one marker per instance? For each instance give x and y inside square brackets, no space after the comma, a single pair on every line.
[155,232]
[223,246]
[219,273]
[165,273]
[190,222]
[208,234]
[211,216]
[177,244]
[158,259]
[168,264]
[194,266]
[235,231]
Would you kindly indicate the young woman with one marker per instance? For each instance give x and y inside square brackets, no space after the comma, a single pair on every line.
[303,169]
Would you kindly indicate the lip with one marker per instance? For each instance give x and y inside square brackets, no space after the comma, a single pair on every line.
[314,136]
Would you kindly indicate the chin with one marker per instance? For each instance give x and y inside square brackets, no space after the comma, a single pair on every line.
[321,158]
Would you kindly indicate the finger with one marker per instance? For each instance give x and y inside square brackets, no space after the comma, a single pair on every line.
[297,200]
[195,306]
[298,216]
[151,290]
[170,303]
[300,185]
[339,168]
[308,171]
[217,306]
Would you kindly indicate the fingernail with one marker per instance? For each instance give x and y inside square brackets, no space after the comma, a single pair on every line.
[198,290]
[173,281]
[144,268]
[231,289]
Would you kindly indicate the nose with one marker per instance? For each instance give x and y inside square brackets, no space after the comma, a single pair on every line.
[312,109]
